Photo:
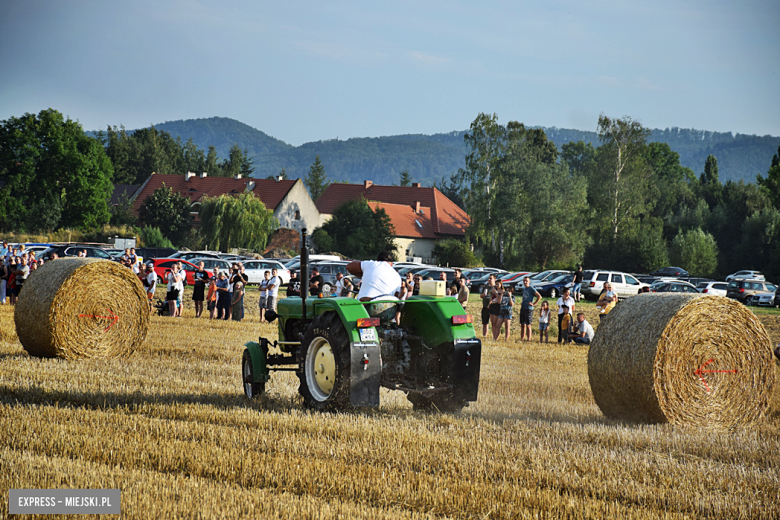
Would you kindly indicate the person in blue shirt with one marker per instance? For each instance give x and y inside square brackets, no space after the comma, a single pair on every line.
[530,298]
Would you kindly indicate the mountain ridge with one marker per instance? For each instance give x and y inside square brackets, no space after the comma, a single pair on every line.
[429,158]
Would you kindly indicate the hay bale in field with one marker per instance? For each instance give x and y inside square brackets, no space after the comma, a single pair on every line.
[682,359]
[82,308]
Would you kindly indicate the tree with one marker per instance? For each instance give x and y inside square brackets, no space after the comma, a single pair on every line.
[771,184]
[694,251]
[578,156]
[281,175]
[621,181]
[406,179]
[167,211]
[454,252]
[236,222]
[153,237]
[51,174]
[710,186]
[212,165]
[356,231]
[316,181]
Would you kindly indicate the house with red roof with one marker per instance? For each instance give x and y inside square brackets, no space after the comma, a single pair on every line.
[420,215]
[288,199]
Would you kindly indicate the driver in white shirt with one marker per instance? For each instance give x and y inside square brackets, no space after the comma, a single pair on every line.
[378,277]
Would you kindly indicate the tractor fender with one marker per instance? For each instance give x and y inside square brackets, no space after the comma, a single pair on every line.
[258,353]
[461,368]
[365,373]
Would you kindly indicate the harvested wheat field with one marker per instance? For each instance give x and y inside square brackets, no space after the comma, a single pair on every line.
[169,426]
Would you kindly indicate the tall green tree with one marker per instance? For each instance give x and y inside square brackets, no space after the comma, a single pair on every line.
[316,181]
[356,231]
[695,251]
[212,165]
[771,183]
[167,211]
[236,222]
[579,156]
[51,174]
[709,182]
[406,178]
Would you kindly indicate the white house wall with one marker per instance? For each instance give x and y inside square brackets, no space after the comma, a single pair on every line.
[298,200]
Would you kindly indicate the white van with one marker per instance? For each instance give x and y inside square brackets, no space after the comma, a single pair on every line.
[623,284]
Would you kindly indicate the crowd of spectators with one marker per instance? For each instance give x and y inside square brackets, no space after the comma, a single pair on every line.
[17,263]
[497,311]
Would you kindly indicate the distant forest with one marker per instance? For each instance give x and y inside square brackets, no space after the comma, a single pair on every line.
[430,158]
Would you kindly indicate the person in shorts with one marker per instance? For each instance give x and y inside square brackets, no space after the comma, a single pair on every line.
[505,313]
[565,326]
[577,289]
[530,298]
[264,294]
[150,283]
[273,291]
[198,293]
[492,305]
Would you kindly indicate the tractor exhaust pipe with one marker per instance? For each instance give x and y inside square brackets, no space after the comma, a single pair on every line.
[304,272]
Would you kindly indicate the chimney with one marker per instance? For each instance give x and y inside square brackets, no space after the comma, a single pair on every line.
[189,176]
[237,176]
[279,179]
[417,207]
[250,186]
[204,175]
[416,185]
[367,184]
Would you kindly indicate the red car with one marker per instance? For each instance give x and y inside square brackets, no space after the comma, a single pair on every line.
[163,265]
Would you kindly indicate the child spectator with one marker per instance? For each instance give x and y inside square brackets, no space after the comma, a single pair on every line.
[565,325]
[211,298]
[237,302]
[544,322]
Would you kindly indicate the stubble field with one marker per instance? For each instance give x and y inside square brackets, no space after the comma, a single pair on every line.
[170,427]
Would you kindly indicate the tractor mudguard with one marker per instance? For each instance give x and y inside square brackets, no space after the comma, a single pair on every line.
[461,368]
[365,371]
[258,353]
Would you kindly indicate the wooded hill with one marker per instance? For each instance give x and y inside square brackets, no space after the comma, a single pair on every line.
[428,158]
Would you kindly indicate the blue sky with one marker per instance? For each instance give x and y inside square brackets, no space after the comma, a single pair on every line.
[305,71]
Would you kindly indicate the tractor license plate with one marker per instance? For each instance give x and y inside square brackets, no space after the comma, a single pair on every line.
[367,335]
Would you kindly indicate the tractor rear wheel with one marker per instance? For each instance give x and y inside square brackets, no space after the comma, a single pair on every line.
[251,389]
[442,402]
[324,375]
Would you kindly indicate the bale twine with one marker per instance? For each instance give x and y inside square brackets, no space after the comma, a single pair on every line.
[682,359]
[82,308]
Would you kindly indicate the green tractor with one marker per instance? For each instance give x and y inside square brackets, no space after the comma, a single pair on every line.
[344,350]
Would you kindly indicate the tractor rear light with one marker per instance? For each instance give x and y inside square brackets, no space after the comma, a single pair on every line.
[364,323]
[462,319]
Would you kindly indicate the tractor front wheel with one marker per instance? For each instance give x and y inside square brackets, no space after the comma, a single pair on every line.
[324,376]
[251,389]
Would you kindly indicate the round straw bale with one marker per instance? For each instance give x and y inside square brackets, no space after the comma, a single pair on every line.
[682,359]
[81,308]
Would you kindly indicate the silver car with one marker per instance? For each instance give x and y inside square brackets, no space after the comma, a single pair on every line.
[713,288]
[255,268]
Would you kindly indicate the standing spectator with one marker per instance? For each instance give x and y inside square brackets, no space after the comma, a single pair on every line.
[3,277]
[22,272]
[585,330]
[237,302]
[273,291]
[577,289]
[416,288]
[235,277]
[133,257]
[495,303]
[455,282]
[201,279]
[264,294]
[463,292]
[565,326]
[294,285]
[505,312]
[125,258]
[11,286]
[544,322]
[223,297]
[31,259]
[175,288]
[530,298]
[342,284]
[315,282]
[564,301]
[487,317]
[211,298]
[3,249]
[150,282]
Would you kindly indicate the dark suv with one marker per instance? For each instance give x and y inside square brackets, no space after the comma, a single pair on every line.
[741,290]
[74,250]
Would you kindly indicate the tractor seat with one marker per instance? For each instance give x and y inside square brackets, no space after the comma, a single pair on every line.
[384,310]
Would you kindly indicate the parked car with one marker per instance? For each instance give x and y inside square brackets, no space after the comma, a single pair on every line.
[477,283]
[766,299]
[74,250]
[552,288]
[741,290]
[713,288]
[675,286]
[161,265]
[696,281]
[544,276]
[328,271]
[670,271]
[623,284]
[211,263]
[155,252]
[748,275]
[434,273]
[255,269]
[189,255]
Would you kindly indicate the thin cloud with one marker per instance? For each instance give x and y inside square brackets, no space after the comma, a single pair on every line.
[428,59]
